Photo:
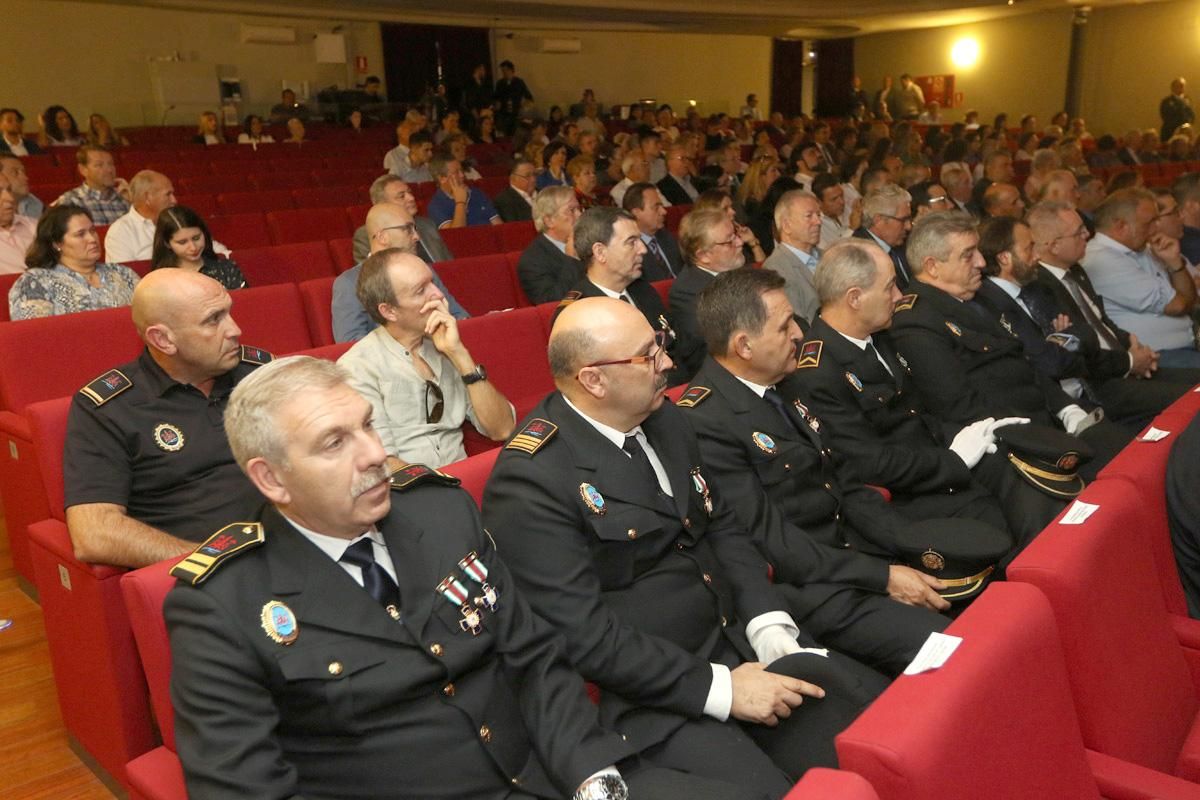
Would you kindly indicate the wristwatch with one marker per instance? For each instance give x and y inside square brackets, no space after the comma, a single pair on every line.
[604,787]
[475,376]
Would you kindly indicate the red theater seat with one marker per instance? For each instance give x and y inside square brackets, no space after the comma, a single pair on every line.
[674,215]
[1133,667]
[317,297]
[473,240]
[272,317]
[516,236]
[307,225]
[969,723]
[512,345]
[474,472]
[481,284]
[326,196]
[240,231]
[262,201]
[283,177]
[329,352]
[6,283]
[203,203]
[342,253]
[285,263]
[213,184]
[831,784]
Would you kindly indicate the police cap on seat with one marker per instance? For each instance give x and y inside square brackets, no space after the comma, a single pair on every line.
[1046,458]
[961,553]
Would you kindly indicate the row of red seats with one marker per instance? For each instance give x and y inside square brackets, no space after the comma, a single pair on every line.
[100,681]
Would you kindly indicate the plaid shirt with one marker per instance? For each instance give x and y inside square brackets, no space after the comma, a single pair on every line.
[106,207]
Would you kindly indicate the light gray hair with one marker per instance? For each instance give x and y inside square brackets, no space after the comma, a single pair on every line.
[789,199]
[547,203]
[141,183]
[930,237]
[848,264]
[251,424]
[379,186]
[884,201]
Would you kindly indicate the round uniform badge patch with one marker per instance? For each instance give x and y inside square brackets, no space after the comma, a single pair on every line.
[168,437]
[933,561]
[763,442]
[592,499]
[279,622]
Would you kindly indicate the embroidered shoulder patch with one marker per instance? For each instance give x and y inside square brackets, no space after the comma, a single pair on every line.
[106,387]
[219,548]
[570,297]
[694,396]
[810,354]
[533,436]
[906,302]
[412,474]
[256,355]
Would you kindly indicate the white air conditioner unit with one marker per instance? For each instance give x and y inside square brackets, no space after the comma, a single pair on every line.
[560,46]
[268,34]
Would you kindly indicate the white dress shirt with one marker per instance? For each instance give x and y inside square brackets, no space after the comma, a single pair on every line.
[131,238]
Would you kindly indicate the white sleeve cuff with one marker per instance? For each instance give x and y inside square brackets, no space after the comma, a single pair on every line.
[720,693]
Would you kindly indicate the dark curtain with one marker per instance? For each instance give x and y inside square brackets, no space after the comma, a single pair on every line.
[835,71]
[413,53]
[787,65]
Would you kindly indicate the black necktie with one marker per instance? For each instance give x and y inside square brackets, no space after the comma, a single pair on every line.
[1085,308]
[375,578]
[773,397]
[879,358]
[655,248]
[1037,309]
[638,455]
[901,270]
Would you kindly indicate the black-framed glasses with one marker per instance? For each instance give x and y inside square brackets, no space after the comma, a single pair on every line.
[901,220]
[407,227]
[662,340]
[434,414]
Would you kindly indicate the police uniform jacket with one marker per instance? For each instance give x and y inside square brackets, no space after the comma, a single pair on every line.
[647,590]
[964,365]
[875,418]
[138,439]
[360,705]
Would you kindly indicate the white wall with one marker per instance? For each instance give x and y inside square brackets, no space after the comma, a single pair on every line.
[93,57]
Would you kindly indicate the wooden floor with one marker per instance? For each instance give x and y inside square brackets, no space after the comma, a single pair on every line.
[35,759]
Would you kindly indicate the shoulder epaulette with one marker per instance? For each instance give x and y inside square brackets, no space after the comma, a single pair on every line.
[413,474]
[694,396]
[570,297]
[906,302]
[256,355]
[220,547]
[106,387]
[533,436]
[810,354]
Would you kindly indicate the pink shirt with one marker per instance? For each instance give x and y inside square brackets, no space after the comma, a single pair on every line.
[14,241]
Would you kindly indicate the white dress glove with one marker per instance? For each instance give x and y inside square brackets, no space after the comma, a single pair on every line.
[975,441]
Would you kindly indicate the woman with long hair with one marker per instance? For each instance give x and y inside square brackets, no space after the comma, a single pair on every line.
[182,240]
[101,133]
[57,128]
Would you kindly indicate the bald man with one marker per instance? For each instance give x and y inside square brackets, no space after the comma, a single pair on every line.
[619,537]
[389,226]
[131,237]
[147,470]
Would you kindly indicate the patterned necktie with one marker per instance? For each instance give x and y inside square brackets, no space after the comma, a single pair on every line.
[376,580]
[660,255]
[1085,307]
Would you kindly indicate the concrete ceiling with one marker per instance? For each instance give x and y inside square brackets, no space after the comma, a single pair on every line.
[783,18]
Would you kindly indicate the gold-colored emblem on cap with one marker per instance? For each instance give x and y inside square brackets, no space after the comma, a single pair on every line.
[933,560]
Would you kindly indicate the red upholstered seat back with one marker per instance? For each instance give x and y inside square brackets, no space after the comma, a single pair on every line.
[1132,686]
[831,784]
[48,427]
[144,591]
[512,345]
[285,263]
[515,236]
[317,296]
[473,240]
[481,284]
[256,201]
[272,317]
[308,225]
[474,472]
[997,717]
[239,231]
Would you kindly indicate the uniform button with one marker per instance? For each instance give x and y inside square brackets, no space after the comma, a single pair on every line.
[881,400]
[631,533]
[837,515]
[679,544]
[687,522]
[951,491]
[436,649]
[787,467]
[485,733]
[448,690]
[986,348]
[845,545]
[515,781]
[624,738]
[335,668]
[724,622]
[826,452]
[829,486]
[707,578]
[912,411]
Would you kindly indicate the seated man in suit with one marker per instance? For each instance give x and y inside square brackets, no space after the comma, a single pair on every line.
[798,221]
[147,471]
[851,377]
[603,509]
[965,365]
[676,186]
[636,169]
[711,245]
[515,203]
[390,189]
[389,225]
[343,633]
[549,267]
[800,501]
[663,259]
[1183,511]
[414,369]
[887,220]
[612,250]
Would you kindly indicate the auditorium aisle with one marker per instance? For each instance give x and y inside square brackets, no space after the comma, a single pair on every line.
[36,762]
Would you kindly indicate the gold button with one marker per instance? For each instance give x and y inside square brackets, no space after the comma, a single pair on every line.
[485,733]
[436,649]
[826,452]
[687,522]
[632,533]
[837,515]
[787,467]
[707,578]
[624,738]
[986,348]
[829,486]
[448,690]
[679,544]
[515,781]
[881,400]
[724,621]
[335,668]
[912,411]
[951,490]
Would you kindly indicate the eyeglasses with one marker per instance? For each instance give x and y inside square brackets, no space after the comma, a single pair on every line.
[1080,233]
[940,199]
[732,241]
[1174,212]
[434,414]
[662,340]
[407,228]
[901,220]
[524,177]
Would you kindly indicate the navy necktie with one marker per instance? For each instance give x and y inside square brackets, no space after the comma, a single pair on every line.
[773,397]
[376,580]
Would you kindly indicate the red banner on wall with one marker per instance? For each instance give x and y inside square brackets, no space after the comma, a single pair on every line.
[940,88]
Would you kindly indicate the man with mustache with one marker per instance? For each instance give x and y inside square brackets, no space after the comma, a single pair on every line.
[147,470]
[360,636]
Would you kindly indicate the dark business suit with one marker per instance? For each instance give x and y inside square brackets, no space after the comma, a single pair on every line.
[685,292]
[805,508]
[31,147]
[674,192]
[653,267]
[885,431]
[966,367]
[648,590]
[362,705]
[547,273]
[1183,511]
[897,255]
[512,207]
